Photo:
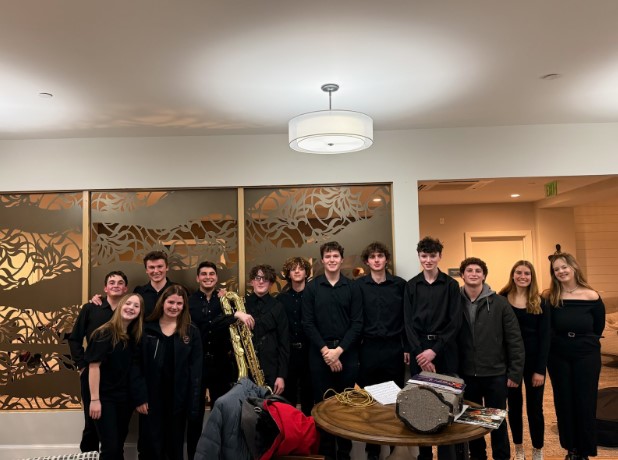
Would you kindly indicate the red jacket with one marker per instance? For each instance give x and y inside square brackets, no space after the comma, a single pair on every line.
[298,434]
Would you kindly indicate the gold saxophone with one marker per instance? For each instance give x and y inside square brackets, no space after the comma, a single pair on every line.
[241,341]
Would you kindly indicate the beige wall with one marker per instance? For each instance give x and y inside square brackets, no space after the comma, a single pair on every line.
[548,227]
[596,226]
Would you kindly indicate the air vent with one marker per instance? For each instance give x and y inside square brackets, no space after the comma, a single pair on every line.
[452,185]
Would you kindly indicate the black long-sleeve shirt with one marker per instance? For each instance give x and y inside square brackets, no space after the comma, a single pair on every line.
[270,336]
[292,302]
[213,324]
[535,331]
[382,305]
[151,295]
[432,309]
[90,317]
[332,312]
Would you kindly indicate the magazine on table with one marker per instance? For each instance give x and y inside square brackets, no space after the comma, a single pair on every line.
[487,417]
[439,381]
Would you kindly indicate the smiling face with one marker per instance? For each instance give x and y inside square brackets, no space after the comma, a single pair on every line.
[473,276]
[115,287]
[260,284]
[522,276]
[130,309]
[207,279]
[172,306]
[156,270]
[563,271]
[298,274]
[429,260]
[332,261]
[376,261]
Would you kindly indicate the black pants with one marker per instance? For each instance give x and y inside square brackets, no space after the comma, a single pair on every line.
[112,428]
[333,447]
[381,360]
[298,383]
[218,376]
[574,366]
[162,436]
[490,392]
[534,408]
[446,363]
[90,438]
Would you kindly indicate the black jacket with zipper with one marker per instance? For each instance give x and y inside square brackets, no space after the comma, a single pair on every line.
[492,344]
[187,369]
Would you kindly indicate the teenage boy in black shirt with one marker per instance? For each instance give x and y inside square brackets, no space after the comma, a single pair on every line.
[155,263]
[382,356]
[433,315]
[332,320]
[296,270]
[219,371]
[90,317]
[156,266]
[271,338]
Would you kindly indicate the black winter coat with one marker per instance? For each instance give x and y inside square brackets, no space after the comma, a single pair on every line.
[187,373]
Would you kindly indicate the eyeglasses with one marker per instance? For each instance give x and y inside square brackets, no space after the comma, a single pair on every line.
[259,278]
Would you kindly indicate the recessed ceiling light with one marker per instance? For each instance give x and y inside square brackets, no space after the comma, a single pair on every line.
[46,95]
[377,200]
[551,76]
[515,195]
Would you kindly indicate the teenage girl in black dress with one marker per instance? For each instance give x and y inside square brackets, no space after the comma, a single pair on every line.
[110,353]
[577,321]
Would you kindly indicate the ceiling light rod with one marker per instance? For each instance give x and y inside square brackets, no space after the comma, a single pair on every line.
[330,88]
[330,131]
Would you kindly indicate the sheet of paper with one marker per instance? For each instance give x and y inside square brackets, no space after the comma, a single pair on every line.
[384,393]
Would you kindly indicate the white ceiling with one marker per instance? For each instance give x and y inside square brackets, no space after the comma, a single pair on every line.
[200,67]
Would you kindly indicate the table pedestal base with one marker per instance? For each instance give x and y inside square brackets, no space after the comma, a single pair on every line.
[403,453]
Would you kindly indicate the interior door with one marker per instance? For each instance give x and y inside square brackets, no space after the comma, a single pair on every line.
[499,250]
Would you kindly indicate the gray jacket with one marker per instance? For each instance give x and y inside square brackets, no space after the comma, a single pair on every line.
[490,342]
[222,438]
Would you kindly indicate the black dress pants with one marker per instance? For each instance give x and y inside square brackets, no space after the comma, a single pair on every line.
[298,383]
[333,447]
[445,363]
[218,376]
[162,436]
[90,438]
[574,366]
[381,360]
[534,408]
[112,428]
[489,392]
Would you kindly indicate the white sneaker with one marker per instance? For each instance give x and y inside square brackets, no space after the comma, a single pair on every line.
[519,452]
[537,454]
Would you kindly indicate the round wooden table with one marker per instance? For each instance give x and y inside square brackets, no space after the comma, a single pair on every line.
[378,424]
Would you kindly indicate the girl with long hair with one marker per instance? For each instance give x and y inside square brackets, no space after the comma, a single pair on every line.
[110,352]
[522,292]
[577,322]
[171,371]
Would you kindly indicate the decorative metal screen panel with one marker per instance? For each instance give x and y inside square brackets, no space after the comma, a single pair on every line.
[189,225]
[40,292]
[286,222]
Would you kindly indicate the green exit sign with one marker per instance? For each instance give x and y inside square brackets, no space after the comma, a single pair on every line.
[551,188]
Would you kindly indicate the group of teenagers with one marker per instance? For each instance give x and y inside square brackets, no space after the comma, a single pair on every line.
[160,351]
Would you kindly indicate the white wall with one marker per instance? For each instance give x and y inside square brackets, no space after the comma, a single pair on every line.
[400,157]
